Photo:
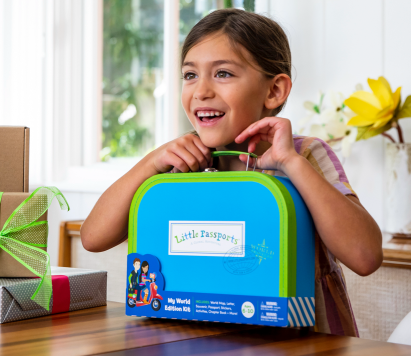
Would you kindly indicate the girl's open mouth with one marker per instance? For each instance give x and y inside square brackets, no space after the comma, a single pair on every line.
[208,117]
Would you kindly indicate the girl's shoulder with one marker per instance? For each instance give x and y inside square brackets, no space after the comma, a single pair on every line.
[305,145]
[316,151]
[324,160]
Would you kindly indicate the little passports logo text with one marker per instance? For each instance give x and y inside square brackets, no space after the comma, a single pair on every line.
[205,238]
[208,235]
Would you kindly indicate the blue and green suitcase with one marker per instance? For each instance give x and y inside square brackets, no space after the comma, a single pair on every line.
[232,247]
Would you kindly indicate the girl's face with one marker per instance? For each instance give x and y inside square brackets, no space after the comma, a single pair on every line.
[145,269]
[222,94]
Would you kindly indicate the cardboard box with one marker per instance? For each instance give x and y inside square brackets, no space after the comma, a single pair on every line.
[10,267]
[14,158]
[232,247]
[73,289]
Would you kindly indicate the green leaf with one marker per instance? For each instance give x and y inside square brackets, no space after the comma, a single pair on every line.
[316,109]
[405,110]
[361,131]
[364,133]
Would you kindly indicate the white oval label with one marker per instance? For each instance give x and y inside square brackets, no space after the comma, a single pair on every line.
[248,309]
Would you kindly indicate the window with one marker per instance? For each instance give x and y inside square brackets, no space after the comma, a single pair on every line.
[132,70]
[135,111]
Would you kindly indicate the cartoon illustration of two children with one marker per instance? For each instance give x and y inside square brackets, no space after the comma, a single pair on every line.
[138,278]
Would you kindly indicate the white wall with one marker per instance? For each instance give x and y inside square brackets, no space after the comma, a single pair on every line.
[45,48]
[336,44]
[22,51]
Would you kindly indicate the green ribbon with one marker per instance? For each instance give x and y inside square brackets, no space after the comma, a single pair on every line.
[22,235]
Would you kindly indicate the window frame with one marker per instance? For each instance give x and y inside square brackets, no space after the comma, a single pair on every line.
[96,176]
[72,159]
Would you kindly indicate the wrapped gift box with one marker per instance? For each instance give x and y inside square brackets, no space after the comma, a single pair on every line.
[73,289]
[14,159]
[10,267]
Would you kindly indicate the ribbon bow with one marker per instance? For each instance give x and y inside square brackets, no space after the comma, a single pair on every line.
[22,236]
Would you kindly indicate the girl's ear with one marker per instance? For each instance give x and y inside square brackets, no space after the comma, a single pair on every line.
[278,91]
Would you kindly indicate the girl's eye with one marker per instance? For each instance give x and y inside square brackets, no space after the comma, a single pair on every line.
[223,74]
[189,76]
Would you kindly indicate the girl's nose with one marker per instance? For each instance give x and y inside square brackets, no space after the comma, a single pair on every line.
[203,90]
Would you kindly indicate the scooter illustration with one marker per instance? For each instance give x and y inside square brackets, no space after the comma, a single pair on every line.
[154,298]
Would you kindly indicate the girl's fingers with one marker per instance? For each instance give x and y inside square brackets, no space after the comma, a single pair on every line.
[200,157]
[178,163]
[244,135]
[254,140]
[189,159]
[205,150]
[190,153]
[265,127]
[186,154]
[262,125]
[251,161]
[266,136]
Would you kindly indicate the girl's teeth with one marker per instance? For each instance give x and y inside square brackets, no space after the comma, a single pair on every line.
[209,113]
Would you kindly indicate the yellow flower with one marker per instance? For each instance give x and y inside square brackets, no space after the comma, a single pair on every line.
[376,108]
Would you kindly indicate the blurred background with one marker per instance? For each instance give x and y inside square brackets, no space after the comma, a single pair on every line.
[98,83]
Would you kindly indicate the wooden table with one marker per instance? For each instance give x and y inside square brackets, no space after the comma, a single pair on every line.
[108,330]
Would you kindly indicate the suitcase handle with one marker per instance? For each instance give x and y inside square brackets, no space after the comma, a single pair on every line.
[231,153]
[235,153]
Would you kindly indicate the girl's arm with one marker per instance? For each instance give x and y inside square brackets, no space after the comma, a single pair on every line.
[106,226]
[345,227]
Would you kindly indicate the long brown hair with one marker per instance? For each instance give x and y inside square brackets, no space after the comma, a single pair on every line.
[262,37]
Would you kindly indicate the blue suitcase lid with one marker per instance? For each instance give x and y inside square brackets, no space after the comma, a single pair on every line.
[189,198]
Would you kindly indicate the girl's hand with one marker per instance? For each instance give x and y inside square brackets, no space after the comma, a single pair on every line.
[184,154]
[276,131]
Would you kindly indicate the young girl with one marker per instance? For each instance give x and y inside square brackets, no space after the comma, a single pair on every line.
[236,69]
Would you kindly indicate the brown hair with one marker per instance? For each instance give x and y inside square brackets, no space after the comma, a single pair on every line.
[136,260]
[262,37]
